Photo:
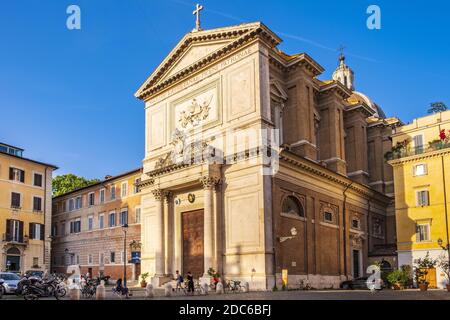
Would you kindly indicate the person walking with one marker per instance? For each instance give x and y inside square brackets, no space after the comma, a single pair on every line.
[190,280]
[179,279]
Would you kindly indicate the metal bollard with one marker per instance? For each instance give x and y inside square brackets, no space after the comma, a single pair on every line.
[149,291]
[205,288]
[219,288]
[100,293]
[168,289]
[74,293]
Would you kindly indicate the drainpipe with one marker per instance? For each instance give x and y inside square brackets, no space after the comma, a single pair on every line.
[344,211]
[445,207]
[368,227]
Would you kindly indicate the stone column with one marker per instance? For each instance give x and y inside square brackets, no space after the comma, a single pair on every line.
[159,238]
[169,234]
[208,186]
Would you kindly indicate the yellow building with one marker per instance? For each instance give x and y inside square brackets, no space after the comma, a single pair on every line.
[421,162]
[25,211]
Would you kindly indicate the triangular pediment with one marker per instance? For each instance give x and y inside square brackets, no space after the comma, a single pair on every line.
[193,54]
[196,47]
[277,90]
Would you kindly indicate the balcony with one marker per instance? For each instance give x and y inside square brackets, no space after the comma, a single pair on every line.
[398,153]
[15,240]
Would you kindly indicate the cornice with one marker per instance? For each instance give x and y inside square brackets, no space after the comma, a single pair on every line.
[318,170]
[422,156]
[241,38]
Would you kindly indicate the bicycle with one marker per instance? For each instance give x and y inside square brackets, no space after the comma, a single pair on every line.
[234,286]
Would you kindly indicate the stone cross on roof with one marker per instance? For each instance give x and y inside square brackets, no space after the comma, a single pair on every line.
[196,12]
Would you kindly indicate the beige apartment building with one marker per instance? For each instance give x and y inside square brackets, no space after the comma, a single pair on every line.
[25,211]
[88,227]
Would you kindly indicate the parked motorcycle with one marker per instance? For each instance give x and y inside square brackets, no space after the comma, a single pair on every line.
[2,288]
[32,288]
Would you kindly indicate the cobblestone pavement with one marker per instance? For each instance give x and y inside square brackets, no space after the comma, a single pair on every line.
[139,294]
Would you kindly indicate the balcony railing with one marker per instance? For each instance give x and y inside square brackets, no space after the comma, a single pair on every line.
[8,238]
[408,152]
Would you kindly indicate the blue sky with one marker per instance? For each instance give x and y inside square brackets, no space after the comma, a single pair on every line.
[67,96]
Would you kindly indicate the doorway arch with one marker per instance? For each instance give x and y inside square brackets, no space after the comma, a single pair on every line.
[13,259]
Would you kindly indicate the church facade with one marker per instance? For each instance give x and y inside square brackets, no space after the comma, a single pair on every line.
[254,166]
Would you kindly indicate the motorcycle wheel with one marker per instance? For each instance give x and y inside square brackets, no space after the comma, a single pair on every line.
[62,292]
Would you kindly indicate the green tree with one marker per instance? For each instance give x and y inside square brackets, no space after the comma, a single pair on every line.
[436,107]
[68,182]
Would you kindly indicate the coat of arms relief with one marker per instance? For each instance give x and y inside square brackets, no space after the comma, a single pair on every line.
[195,112]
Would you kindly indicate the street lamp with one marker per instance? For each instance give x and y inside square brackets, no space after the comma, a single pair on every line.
[446,248]
[124,229]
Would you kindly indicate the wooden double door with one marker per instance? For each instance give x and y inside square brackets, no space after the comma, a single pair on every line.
[193,242]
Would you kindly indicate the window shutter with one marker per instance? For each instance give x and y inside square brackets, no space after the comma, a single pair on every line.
[42,232]
[32,230]
[11,173]
[426,198]
[21,231]
[22,176]
[8,229]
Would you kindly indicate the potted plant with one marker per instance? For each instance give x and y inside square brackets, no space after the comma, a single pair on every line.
[397,279]
[144,276]
[444,265]
[421,271]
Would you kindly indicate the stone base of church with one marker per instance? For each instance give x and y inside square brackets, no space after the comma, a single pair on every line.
[316,281]
[160,280]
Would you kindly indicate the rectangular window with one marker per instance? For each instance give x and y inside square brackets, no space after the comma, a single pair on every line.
[75,226]
[418,144]
[113,192]
[328,216]
[71,205]
[355,224]
[15,200]
[112,257]
[90,223]
[123,217]
[420,170]
[37,180]
[36,231]
[124,189]
[16,175]
[14,231]
[422,232]
[90,260]
[63,229]
[112,219]
[78,202]
[91,199]
[423,198]
[35,262]
[102,195]
[37,204]
[137,215]
[54,229]
[101,258]
[136,185]
[101,223]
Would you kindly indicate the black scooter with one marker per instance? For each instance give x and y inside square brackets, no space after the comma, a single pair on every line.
[33,288]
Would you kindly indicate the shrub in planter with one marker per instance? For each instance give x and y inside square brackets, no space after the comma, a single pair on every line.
[144,277]
[398,279]
[443,263]
[421,271]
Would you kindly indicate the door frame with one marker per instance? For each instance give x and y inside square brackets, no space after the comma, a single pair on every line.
[184,272]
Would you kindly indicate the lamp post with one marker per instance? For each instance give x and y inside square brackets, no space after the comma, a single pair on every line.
[124,229]
[446,248]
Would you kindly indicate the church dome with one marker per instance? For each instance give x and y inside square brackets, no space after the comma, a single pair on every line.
[361,97]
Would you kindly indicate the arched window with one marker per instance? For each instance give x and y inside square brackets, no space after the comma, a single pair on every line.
[385,265]
[292,206]
[13,251]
